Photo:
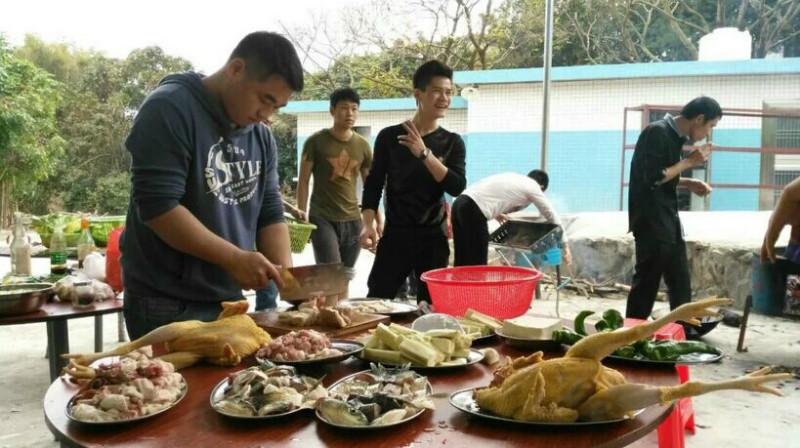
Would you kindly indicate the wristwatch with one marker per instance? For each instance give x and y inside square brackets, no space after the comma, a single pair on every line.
[424,154]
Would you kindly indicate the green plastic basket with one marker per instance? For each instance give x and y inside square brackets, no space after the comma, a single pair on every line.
[299,233]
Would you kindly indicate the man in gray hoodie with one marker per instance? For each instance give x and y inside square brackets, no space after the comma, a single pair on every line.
[204,187]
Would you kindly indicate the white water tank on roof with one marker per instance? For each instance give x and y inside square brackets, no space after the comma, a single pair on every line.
[725,44]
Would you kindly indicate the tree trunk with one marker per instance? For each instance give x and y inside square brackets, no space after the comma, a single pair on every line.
[5,204]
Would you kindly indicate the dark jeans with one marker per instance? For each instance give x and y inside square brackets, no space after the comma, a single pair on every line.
[655,259]
[470,233]
[267,298]
[336,242]
[145,314]
[399,252]
[408,288]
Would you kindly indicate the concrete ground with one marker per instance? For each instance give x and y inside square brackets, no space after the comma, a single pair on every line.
[729,419]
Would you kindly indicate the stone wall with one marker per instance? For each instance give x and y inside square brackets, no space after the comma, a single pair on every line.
[716,270]
[721,247]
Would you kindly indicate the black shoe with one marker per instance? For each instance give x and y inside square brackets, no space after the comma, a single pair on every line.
[692,334]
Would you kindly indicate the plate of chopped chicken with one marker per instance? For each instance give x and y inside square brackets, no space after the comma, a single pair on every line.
[266,391]
[376,398]
[464,400]
[129,389]
[306,347]
[380,306]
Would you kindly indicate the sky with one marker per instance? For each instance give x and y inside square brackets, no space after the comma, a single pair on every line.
[204,36]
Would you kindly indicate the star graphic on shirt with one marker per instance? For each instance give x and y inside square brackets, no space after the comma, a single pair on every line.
[342,165]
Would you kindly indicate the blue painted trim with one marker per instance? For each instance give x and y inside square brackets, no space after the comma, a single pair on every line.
[624,71]
[299,107]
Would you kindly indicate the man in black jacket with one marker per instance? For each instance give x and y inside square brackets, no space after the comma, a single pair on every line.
[653,203]
[417,161]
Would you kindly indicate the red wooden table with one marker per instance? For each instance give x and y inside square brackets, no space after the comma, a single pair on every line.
[55,315]
[193,423]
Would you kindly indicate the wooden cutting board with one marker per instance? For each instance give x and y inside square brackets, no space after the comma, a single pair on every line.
[268,320]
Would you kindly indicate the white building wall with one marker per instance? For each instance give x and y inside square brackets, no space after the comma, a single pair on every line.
[598,105]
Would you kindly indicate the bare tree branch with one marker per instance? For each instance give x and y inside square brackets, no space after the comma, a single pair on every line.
[670,14]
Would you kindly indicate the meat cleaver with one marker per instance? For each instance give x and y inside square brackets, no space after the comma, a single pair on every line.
[305,282]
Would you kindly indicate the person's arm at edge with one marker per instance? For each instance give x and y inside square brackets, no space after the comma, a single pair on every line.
[781,216]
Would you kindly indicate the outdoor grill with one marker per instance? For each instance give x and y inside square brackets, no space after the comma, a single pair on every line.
[531,243]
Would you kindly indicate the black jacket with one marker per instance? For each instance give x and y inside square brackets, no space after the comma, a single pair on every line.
[413,197]
[653,208]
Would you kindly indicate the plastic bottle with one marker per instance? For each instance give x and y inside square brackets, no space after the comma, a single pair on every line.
[58,250]
[85,242]
[20,248]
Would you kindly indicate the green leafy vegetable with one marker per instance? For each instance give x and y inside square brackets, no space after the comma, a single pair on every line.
[578,323]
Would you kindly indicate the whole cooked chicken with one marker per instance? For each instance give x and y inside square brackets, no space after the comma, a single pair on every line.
[224,341]
[578,387]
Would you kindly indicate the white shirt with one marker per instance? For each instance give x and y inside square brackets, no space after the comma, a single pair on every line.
[508,192]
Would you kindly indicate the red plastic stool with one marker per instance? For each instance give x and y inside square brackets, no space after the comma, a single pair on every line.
[671,430]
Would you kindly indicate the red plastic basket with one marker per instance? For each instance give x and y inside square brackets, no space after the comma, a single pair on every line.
[502,292]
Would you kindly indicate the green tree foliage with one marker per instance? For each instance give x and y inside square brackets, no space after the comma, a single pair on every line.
[144,68]
[614,31]
[100,96]
[284,127]
[29,140]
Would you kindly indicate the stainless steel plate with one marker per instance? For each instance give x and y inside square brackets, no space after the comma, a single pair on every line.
[218,394]
[72,401]
[463,400]
[688,359]
[528,344]
[332,388]
[398,308]
[347,347]
[474,357]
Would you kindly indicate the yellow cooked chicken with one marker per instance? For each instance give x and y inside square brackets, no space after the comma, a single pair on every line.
[578,387]
[224,341]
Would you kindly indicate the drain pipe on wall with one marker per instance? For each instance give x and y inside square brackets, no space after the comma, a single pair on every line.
[548,59]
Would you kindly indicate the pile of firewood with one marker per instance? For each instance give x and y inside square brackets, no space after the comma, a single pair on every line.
[609,289]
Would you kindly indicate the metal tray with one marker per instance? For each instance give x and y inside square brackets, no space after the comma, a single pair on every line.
[474,357]
[527,235]
[463,400]
[332,388]
[400,308]
[347,347]
[128,420]
[545,345]
[689,359]
[218,393]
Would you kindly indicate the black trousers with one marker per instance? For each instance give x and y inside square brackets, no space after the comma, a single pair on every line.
[656,259]
[470,233]
[399,252]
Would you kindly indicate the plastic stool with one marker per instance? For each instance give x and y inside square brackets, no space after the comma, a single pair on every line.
[671,430]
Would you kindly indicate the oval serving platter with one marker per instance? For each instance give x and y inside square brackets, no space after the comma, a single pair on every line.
[347,347]
[400,308]
[474,357]
[72,401]
[332,389]
[218,393]
[464,401]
